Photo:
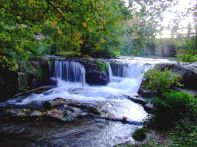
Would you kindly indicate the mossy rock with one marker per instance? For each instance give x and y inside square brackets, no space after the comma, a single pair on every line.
[139,134]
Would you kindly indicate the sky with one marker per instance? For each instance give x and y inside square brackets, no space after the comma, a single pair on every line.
[181,6]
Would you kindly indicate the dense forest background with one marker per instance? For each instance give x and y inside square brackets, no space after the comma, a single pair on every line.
[88,28]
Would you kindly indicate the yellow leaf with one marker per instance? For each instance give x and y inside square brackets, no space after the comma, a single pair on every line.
[31,2]
[90,30]
[102,40]
[54,23]
[59,32]
[84,24]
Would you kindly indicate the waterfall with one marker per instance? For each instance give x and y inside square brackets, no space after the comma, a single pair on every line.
[118,70]
[69,71]
[110,71]
[131,70]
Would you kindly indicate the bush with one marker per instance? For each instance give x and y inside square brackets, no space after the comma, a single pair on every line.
[185,135]
[160,81]
[172,107]
[139,134]
[186,57]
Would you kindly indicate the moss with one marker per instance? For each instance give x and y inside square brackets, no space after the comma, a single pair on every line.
[139,134]
[102,65]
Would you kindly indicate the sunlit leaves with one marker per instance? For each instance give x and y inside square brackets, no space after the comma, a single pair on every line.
[74,28]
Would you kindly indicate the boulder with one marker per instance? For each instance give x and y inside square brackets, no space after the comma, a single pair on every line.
[96,78]
[54,103]
[23,113]
[55,114]
[12,82]
[96,71]
[188,72]
[143,92]
[8,82]
[55,110]
[40,75]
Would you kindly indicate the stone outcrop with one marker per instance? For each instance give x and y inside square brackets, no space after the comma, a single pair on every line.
[188,72]
[12,82]
[8,82]
[55,110]
[96,71]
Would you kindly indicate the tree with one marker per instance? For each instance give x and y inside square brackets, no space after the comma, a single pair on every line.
[32,28]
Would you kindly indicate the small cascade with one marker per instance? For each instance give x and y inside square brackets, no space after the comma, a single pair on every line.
[110,72]
[131,70]
[119,70]
[69,71]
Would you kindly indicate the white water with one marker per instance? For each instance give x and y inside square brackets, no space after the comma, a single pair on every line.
[93,132]
[111,95]
[69,71]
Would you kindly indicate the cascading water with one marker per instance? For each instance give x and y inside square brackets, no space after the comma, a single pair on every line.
[118,69]
[110,71]
[69,71]
[125,79]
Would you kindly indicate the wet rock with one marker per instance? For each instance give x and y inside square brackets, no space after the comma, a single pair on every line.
[65,113]
[96,71]
[137,99]
[37,91]
[54,103]
[123,120]
[55,114]
[58,109]
[149,107]
[68,110]
[96,78]
[86,108]
[145,92]
[22,113]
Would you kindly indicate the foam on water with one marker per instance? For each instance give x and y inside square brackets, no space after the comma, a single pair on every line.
[71,75]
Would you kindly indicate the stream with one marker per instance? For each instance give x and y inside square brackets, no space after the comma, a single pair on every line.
[86,132]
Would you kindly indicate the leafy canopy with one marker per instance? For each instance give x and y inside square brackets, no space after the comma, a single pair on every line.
[32,28]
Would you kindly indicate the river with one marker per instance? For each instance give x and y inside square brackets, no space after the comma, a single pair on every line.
[112,98]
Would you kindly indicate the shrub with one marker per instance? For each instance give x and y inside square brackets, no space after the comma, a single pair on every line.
[139,134]
[186,57]
[172,107]
[102,65]
[185,135]
[160,81]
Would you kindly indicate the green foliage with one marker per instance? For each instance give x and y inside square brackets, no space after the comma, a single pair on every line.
[73,28]
[172,107]
[186,48]
[186,57]
[160,81]
[102,65]
[139,134]
[184,135]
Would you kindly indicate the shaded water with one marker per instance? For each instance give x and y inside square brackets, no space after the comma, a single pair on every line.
[111,98]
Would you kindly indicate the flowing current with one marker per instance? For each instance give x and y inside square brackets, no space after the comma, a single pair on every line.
[125,79]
